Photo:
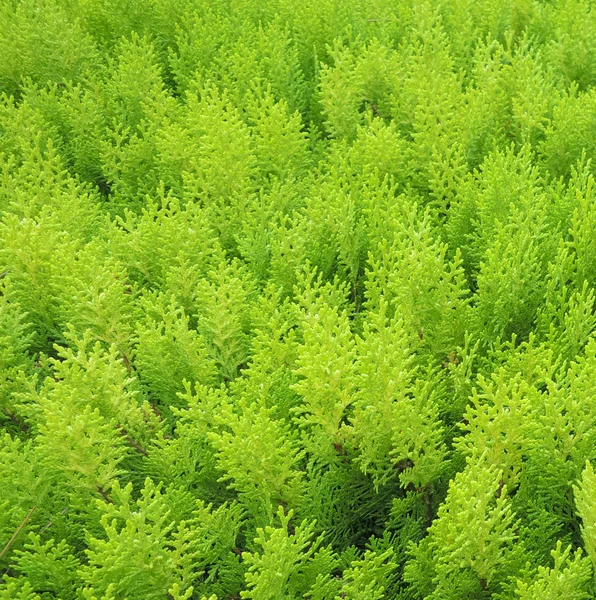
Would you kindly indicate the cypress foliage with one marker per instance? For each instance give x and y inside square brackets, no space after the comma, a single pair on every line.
[297,299]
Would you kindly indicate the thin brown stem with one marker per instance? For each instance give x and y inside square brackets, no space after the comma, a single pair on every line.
[16,420]
[16,533]
[105,495]
[133,442]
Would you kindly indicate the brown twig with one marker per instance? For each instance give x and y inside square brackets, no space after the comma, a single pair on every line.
[501,486]
[133,442]
[104,494]
[126,362]
[16,533]
[16,420]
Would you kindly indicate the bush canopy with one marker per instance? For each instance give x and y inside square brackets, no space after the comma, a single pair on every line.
[297,299]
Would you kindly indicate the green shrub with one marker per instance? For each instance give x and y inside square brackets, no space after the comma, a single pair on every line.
[297,299]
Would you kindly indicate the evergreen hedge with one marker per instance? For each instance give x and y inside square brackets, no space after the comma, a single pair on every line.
[297,299]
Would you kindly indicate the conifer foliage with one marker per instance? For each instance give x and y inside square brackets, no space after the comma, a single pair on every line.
[297,299]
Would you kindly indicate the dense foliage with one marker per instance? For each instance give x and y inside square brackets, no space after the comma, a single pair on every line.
[297,299]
